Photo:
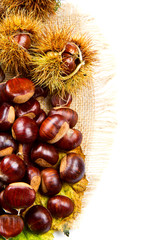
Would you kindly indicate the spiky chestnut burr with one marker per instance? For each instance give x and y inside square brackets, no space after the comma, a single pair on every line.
[64,60]
[41,9]
[18,34]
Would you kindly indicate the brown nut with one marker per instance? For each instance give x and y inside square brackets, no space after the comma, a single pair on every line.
[7,144]
[12,169]
[31,108]
[72,168]
[34,177]
[70,115]
[68,64]
[71,48]
[40,92]
[25,130]
[59,101]
[70,141]
[3,96]
[53,128]
[24,150]
[7,116]
[19,195]
[11,226]
[23,40]
[60,206]
[19,90]
[40,117]
[44,154]
[51,183]
[5,206]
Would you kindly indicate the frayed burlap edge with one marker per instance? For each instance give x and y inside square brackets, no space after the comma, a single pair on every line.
[95,105]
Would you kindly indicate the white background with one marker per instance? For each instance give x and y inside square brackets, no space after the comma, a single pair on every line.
[126,204]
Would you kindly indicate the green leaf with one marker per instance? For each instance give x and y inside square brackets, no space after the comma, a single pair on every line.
[28,235]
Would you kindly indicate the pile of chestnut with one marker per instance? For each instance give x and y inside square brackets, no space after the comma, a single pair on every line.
[30,142]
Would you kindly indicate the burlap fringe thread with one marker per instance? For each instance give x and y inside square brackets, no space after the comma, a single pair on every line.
[95,105]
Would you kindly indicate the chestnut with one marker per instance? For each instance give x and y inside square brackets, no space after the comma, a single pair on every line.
[7,116]
[53,128]
[40,92]
[71,48]
[12,169]
[38,219]
[61,101]
[34,177]
[5,206]
[19,90]
[44,154]
[19,195]
[3,97]
[40,117]
[24,150]
[70,141]
[7,144]
[72,168]
[25,130]
[51,183]
[68,64]
[70,115]
[60,206]
[23,40]
[11,226]
[2,75]
[30,108]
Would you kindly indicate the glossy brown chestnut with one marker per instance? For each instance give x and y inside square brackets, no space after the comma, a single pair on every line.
[11,226]
[3,97]
[7,144]
[5,206]
[23,40]
[34,177]
[25,130]
[40,92]
[71,48]
[53,128]
[24,150]
[68,64]
[31,108]
[70,115]
[2,75]
[7,116]
[19,90]
[12,169]
[38,219]
[70,141]
[19,195]
[44,154]
[72,168]
[59,101]
[51,183]
[40,117]
[60,206]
